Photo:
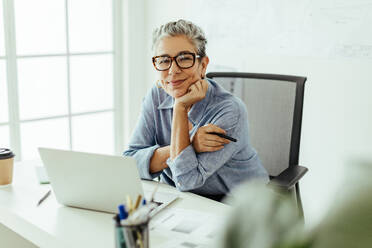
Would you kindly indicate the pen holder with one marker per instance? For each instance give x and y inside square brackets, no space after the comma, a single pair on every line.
[132,235]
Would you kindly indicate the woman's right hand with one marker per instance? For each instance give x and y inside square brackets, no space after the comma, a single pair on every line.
[195,93]
[203,141]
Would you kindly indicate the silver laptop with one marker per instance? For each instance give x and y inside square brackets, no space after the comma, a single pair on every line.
[96,182]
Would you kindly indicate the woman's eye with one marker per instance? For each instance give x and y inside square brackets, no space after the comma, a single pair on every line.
[163,61]
[185,58]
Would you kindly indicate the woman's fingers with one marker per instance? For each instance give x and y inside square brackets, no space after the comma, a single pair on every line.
[208,136]
[210,128]
[193,88]
[216,139]
[197,86]
[204,85]
[192,79]
[209,148]
[213,143]
[212,148]
[203,141]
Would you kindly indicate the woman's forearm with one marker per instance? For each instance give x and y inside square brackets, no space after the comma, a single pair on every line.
[159,158]
[179,140]
[180,130]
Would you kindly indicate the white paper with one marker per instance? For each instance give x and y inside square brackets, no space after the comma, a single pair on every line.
[187,228]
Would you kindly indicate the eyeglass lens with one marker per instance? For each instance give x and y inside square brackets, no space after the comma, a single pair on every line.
[184,61]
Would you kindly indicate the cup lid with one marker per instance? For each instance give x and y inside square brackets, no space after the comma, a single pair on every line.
[6,153]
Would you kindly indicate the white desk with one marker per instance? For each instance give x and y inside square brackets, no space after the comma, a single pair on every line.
[53,225]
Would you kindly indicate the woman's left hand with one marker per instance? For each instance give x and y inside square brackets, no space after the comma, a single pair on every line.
[203,141]
[195,93]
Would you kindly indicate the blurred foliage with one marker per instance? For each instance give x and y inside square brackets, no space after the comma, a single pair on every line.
[265,218]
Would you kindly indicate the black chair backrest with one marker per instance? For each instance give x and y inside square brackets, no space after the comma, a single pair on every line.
[274,104]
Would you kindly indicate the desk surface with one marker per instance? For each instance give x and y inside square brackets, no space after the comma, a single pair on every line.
[54,225]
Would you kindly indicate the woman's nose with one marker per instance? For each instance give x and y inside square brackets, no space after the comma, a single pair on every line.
[174,68]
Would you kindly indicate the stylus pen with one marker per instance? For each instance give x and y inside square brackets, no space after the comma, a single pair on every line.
[224,136]
[44,197]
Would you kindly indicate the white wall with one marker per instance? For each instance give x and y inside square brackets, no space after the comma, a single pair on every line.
[326,41]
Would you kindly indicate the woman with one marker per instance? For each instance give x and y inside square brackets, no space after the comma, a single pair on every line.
[172,138]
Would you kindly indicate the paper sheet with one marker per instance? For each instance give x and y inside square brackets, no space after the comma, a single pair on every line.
[188,228]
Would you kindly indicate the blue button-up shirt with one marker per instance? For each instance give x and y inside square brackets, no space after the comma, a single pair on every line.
[207,173]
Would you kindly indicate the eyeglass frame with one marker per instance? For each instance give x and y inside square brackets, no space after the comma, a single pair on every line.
[194,55]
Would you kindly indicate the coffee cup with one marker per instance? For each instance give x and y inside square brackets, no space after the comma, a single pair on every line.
[6,166]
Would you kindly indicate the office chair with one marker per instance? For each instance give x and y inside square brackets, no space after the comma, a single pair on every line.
[274,104]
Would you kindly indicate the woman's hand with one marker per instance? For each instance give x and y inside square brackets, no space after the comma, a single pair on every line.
[205,142]
[195,93]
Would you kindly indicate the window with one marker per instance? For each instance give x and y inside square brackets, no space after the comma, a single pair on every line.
[57,80]
[4,125]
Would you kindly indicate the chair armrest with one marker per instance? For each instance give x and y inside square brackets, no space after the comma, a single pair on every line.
[289,177]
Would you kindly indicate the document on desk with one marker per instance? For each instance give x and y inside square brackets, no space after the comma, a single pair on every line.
[188,228]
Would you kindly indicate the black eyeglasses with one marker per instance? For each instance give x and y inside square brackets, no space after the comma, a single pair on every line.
[183,60]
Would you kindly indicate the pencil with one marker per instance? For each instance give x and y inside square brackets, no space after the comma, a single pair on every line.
[130,205]
[137,202]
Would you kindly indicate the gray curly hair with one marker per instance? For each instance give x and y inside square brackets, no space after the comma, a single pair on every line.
[181,27]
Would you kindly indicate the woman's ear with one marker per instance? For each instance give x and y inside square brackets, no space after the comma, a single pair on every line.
[204,64]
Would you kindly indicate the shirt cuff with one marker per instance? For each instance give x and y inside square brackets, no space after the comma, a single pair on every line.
[183,163]
[143,158]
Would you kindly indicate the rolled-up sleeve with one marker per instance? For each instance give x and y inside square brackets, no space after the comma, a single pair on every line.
[142,144]
[190,170]
[143,156]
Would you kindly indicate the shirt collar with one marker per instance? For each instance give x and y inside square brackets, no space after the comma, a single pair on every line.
[197,110]
[167,103]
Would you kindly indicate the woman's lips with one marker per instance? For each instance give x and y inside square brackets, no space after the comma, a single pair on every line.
[176,83]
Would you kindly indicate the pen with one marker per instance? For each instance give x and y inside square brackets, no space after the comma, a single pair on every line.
[43,198]
[224,136]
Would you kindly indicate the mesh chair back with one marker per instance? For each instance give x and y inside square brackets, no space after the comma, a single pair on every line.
[273,114]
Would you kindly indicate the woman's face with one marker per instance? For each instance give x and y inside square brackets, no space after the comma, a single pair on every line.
[174,78]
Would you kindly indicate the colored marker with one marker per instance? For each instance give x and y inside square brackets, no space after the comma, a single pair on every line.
[122,213]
